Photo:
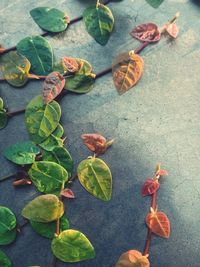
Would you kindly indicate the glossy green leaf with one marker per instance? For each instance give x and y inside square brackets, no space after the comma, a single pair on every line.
[72,246]
[41,119]
[45,208]
[99,22]
[39,52]
[3,118]
[50,19]
[48,177]
[96,178]
[51,142]
[8,237]
[7,226]
[1,103]
[4,260]
[15,68]
[59,131]
[48,229]
[22,153]
[155,3]
[61,156]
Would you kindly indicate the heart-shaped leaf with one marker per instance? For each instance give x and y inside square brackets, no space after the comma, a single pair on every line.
[45,208]
[95,142]
[150,186]
[96,178]
[53,85]
[4,260]
[51,142]
[39,52]
[48,230]
[127,70]
[99,22]
[158,223]
[133,258]
[72,246]
[48,177]
[61,156]
[154,3]
[50,19]
[41,120]
[15,68]
[147,32]
[22,153]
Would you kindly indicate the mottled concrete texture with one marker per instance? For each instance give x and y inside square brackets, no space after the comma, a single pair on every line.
[158,120]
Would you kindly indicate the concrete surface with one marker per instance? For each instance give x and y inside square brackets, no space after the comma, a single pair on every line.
[158,120]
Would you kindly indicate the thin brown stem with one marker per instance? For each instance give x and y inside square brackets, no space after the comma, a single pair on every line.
[19,227]
[16,112]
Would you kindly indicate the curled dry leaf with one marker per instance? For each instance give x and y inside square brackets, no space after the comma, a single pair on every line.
[22,182]
[172,29]
[71,64]
[127,70]
[95,142]
[53,85]
[147,32]
[68,193]
[132,258]
[158,223]
[150,186]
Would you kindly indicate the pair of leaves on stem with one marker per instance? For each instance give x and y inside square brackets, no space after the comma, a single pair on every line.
[133,258]
[70,245]
[3,115]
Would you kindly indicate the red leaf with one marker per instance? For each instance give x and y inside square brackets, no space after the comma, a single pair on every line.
[162,173]
[132,258]
[22,182]
[146,32]
[158,223]
[172,30]
[70,64]
[150,186]
[53,85]
[68,193]
[95,142]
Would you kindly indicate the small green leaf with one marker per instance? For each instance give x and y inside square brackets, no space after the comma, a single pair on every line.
[72,246]
[15,68]
[39,52]
[99,22]
[48,229]
[22,153]
[45,208]
[4,260]
[1,103]
[50,19]
[41,119]
[96,178]
[48,177]
[51,142]
[155,3]
[7,226]
[3,118]
[61,156]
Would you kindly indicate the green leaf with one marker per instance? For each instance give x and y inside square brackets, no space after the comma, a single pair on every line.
[59,131]
[45,208]
[8,237]
[48,177]
[154,3]
[15,68]
[61,156]
[99,22]
[48,229]
[1,103]
[41,119]
[58,66]
[50,19]
[96,178]
[4,260]
[72,246]
[7,226]
[22,153]
[39,52]
[3,118]
[51,142]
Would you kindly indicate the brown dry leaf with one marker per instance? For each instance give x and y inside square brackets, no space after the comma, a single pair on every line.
[95,142]
[172,29]
[70,64]
[68,193]
[132,258]
[53,85]
[147,32]
[127,69]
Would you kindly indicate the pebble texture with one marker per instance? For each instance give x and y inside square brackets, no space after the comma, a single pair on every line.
[158,120]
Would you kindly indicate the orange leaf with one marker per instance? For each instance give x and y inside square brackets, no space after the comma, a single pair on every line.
[53,85]
[162,172]
[132,258]
[150,186]
[158,223]
[68,193]
[146,32]
[95,142]
[22,182]
[70,64]
[127,70]
[172,30]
